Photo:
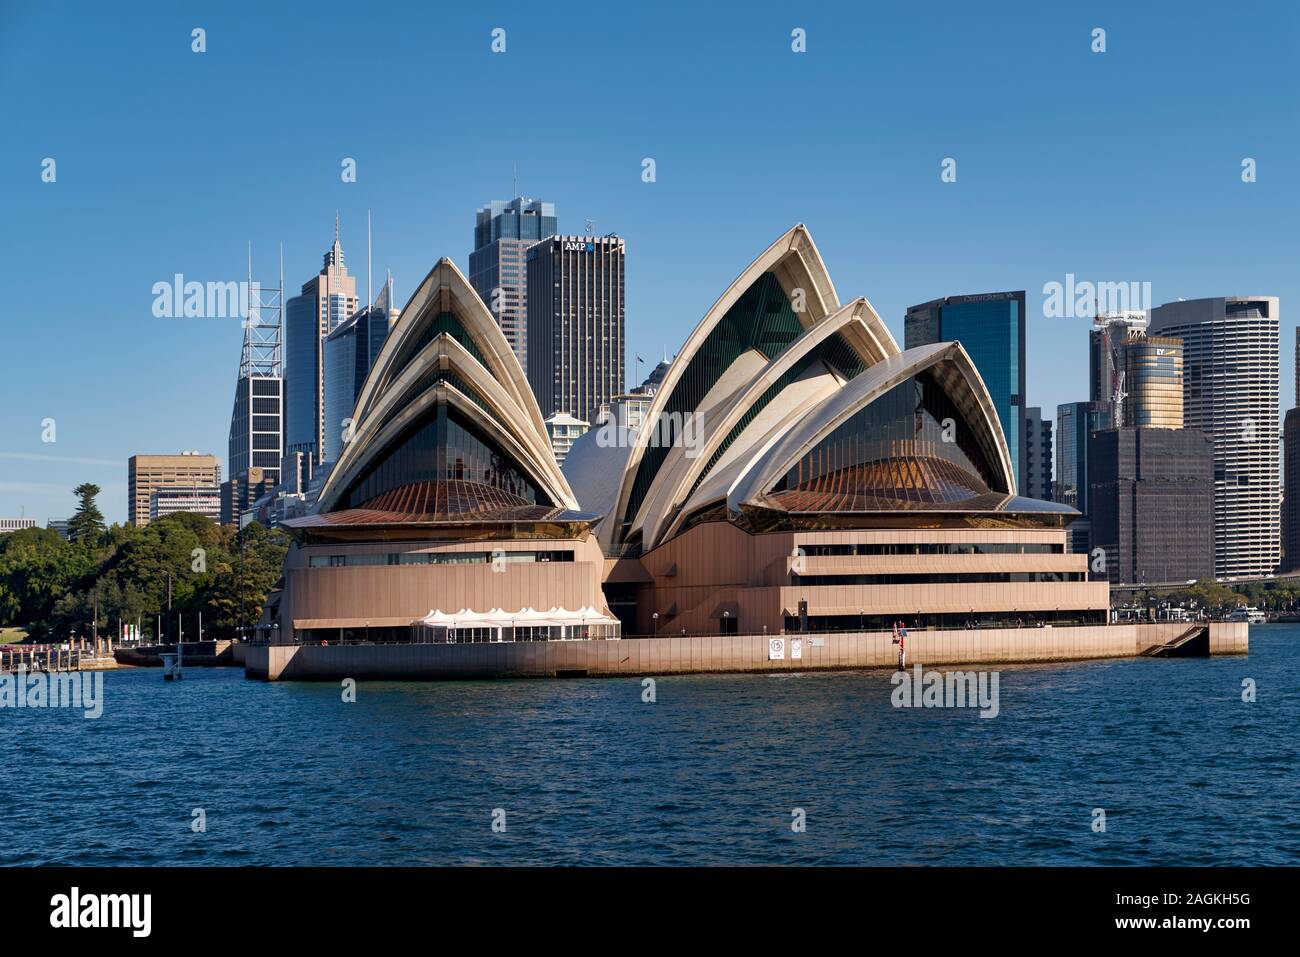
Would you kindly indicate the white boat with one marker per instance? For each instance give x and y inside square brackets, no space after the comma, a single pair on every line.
[1248,614]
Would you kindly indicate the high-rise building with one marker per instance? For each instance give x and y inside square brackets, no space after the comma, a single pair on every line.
[1230,392]
[1291,477]
[147,473]
[1297,368]
[327,300]
[575,323]
[16,524]
[197,499]
[1103,365]
[498,264]
[257,417]
[349,352]
[1151,393]
[1290,560]
[1038,452]
[59,525]
[1075,421]
[991,327]
[1151,504]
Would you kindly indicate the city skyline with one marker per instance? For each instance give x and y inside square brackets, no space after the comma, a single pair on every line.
[1031,205]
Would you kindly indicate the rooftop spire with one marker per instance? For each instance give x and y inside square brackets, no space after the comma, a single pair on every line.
[335,256]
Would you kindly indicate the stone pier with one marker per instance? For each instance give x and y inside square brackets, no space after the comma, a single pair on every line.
[720,653]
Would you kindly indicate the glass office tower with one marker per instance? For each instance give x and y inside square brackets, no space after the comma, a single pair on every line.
[991,327]
[498,264]
[327,300]
[1075,421]
[349,352]
[1153,379]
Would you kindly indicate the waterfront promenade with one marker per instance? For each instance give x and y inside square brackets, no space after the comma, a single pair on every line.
[80,656]
[720,653]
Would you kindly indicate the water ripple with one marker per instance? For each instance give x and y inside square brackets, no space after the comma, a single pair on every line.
[716,771]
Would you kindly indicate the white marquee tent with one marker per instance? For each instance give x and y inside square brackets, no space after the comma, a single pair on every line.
[527,624]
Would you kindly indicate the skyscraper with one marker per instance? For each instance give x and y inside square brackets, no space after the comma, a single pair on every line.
[257,417]
[1103,339]
[1230,392]
[1153,381]
[991,327]
[1075,421]
[498,264]
[1290,560]
[1151,504]
[1291,479]
[327,300]
[1038,452]
[349,352]
[575,323]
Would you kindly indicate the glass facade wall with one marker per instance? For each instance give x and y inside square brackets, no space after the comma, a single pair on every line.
[1153,379]
[991,328]
[442,446]
[340,353]
[888,454]
[301,369]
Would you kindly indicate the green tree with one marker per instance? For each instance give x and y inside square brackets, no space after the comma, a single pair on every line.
[250,564]
[87,525]
[37,568]
[56,588]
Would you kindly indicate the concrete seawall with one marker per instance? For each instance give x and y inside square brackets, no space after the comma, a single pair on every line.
[719,653]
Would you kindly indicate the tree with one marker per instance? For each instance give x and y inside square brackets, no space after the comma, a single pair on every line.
[37,569]
[54,588]
[87,525]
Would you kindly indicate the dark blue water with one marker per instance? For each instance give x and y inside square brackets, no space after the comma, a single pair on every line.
[587,773]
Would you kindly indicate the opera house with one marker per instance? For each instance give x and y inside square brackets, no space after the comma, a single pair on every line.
[445,515]
[796,471]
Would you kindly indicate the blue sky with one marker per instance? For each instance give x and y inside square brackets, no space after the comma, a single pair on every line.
[1117,166]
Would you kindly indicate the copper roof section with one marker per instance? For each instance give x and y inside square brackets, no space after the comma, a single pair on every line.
[450,501]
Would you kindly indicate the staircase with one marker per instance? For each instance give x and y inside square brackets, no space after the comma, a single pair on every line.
[1192,643]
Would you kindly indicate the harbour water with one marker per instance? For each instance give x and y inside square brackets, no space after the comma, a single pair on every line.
[712,772]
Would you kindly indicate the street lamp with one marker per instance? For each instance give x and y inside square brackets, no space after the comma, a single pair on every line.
[655,627]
